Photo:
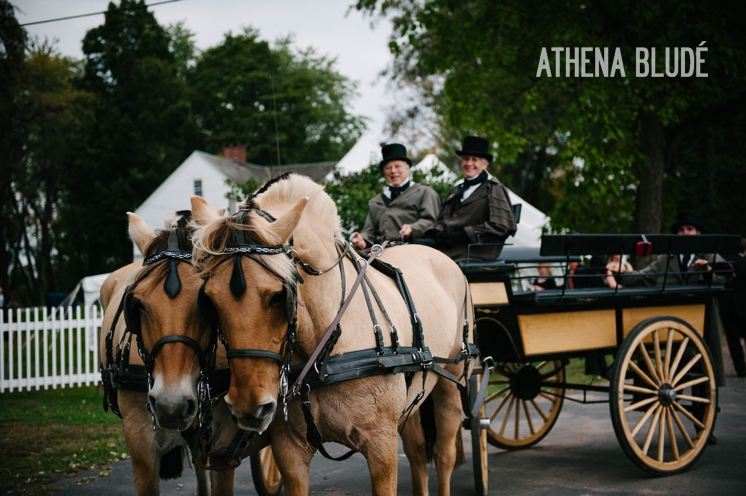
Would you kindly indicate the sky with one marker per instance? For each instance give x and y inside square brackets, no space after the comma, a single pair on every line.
[361,50]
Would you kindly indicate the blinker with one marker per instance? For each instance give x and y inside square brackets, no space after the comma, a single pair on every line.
[237,283]
[172,285]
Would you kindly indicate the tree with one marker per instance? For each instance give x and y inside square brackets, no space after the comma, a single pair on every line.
[288,106]
[12,126]
[476,65]
[142,129]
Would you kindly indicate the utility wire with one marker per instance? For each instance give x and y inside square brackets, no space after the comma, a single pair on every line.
[136,7]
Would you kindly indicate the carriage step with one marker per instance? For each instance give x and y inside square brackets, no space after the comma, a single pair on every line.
[484,423]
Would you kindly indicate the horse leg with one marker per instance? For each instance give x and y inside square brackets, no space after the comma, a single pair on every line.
[448,450]
[382,452]
[413,440]
[140,438]
[222,482]
[203,481]
[293,458]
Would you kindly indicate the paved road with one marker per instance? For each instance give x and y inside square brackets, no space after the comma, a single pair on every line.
[579,456]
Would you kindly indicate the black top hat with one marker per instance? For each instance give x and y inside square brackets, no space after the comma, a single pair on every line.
[394,151]
[686,218]
[474,145]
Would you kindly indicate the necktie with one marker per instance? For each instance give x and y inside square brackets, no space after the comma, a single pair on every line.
[468,183]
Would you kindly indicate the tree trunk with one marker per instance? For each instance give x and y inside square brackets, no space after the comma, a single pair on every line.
[649,204]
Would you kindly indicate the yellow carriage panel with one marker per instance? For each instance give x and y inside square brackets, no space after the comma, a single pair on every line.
[488,293]
[567,331]
[694,315]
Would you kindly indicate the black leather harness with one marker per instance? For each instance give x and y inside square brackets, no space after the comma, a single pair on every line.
[323,368]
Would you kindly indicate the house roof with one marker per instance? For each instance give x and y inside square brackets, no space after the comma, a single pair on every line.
[241,173]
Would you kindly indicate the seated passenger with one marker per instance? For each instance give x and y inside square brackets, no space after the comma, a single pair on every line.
[683,269]
[476,211]
[591,276]
[545,279]
[403,210]
[611,280]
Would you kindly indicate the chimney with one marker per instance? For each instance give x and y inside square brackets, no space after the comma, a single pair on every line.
[236,152]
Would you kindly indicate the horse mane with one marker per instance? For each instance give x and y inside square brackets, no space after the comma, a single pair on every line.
[290,188]
[286,190]
[182,220]
[184,230]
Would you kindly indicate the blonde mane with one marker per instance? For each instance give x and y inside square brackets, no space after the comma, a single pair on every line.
[291,190]
[211,240]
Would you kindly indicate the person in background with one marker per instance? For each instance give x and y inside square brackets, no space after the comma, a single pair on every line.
[626,267]
[682,270]
[2,298]
[403,210]
[545,279]
[733,311]
[478,210]
[591,276]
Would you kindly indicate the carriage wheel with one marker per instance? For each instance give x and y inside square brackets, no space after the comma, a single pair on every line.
[477,426]
[264,471]
[526,404]
[663,396]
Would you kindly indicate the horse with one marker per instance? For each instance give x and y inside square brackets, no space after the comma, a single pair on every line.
[269,313]
[155,301]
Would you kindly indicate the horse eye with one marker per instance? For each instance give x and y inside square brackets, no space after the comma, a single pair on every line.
[276,298]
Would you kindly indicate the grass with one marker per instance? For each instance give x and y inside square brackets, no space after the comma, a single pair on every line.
[47,435]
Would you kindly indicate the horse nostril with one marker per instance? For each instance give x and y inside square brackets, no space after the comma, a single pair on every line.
[265,410]
[191,408]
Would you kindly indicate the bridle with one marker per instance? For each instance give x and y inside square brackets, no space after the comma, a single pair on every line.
[131,307]
[237,287]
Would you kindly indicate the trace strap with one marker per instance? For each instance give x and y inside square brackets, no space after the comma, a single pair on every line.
[375,251]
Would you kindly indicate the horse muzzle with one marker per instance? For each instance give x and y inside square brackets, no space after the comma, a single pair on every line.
[256,420]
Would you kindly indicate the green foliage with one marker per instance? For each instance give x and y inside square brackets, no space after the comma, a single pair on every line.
[246,91]
[475,65]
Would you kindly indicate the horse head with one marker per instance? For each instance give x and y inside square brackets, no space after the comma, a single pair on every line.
[160,310]
[250,291]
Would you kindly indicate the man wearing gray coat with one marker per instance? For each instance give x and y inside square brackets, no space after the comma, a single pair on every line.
[403,210]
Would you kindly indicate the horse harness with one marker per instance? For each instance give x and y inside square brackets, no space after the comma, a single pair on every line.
[323,368]
[119,374]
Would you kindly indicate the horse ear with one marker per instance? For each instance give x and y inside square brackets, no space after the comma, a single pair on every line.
[279,231]
[202,212]
[140,233]
[221,212]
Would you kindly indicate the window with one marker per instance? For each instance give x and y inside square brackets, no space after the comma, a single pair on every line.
[198,187]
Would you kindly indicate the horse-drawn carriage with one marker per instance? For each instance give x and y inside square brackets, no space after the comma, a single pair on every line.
[270,286]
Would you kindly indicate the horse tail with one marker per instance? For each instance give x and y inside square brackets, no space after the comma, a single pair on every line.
[427,420]
[172,464]
[460,457]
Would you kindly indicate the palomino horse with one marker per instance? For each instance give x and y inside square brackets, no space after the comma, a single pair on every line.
[158,299]
[269,312]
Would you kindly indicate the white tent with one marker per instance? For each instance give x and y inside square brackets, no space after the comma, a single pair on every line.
[366,151]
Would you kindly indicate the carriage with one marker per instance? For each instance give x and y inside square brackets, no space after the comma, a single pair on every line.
[662,389]
[664,376]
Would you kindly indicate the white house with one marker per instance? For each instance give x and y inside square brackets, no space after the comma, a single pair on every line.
[203,174]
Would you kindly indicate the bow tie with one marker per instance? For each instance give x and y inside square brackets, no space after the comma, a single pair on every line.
[468,183]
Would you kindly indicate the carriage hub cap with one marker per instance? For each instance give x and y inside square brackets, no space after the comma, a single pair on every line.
[666,395]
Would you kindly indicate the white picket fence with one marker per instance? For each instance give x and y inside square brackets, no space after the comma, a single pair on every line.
[42,349]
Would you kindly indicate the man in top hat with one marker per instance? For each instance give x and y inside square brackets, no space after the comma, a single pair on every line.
[478,210]
[683,269]
[404,209]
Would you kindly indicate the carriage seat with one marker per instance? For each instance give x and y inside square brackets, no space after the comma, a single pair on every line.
[486,267]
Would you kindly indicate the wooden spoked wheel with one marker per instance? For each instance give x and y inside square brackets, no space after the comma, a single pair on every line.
[477,426]
[663,395]
[264,472]
[522,403]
